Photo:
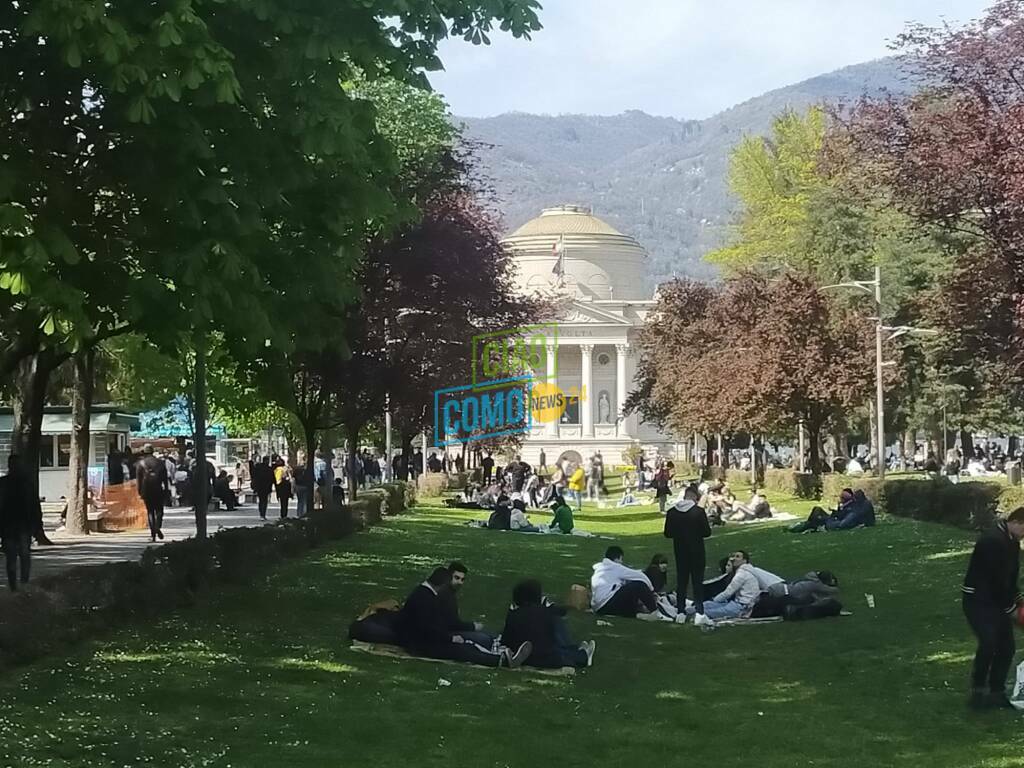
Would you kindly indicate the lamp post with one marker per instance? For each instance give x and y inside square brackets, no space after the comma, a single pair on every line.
[875,287]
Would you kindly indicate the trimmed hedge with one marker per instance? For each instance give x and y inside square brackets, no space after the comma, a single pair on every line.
[803,485]
[85,601]
[970,504]
[373,504]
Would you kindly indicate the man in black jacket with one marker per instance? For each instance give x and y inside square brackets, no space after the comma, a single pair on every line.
[20,516]
[990,599]
[449,597]
[153,485]
[687,525]
[263,484]
[422,629]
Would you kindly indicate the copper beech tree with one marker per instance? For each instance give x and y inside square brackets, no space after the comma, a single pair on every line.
[754,354]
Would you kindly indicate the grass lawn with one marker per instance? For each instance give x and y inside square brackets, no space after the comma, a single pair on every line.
[263,677]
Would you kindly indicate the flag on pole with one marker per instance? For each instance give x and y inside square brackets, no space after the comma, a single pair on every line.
[558,249]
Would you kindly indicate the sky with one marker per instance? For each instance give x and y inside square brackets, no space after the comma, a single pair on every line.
[675,58]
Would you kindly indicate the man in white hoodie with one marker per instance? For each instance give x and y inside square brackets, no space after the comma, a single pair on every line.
[617,590]
[738,599]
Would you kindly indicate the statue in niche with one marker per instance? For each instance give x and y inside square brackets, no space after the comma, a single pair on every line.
[604,408]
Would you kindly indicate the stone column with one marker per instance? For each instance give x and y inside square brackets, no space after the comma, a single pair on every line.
[551,377]
[621,351]
[586,396]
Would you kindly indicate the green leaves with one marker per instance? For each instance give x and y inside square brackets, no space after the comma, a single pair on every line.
[15,283]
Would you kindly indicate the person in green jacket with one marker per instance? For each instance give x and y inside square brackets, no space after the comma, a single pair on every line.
[563,516]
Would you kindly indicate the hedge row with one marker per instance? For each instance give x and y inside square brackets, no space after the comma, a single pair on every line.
[968,504]
[373,504]
[803,485]
[85,601]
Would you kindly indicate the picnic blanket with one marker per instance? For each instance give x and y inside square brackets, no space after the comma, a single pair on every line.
[776,516]
[762,620]
[394,652]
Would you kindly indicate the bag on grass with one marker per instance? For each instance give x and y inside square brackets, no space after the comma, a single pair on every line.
[1017,699]
[578,597]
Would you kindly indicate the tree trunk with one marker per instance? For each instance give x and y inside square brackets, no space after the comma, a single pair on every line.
[81,412]
[813,443]
[910,447]
[310,434]
[200,478]
[709,452]
[966,445]
[28,398]
[350,460]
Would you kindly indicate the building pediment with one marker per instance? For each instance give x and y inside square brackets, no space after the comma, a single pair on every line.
[586,313]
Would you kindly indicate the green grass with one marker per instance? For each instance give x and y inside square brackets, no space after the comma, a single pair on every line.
[263,676]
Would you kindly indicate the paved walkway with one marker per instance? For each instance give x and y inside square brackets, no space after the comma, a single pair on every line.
[95,548]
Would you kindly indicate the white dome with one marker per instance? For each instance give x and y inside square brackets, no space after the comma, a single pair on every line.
[600,262]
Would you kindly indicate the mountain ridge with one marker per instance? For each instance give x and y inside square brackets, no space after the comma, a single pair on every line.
[662,180]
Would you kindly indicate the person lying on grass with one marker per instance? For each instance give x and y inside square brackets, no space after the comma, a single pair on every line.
[617,590]
[562,521]
[422,628]
[533,619]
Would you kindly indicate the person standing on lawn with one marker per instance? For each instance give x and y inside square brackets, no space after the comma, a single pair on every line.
[153,484]
[20,517]
[990,599]
[687,525]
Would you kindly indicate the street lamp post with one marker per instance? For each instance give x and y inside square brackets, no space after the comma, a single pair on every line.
[875,287]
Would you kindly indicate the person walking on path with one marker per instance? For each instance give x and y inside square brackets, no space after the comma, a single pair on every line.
[687,525]
[20,516]
[153,484]
[283,486]
[263,484]
[990,600]
[661,486]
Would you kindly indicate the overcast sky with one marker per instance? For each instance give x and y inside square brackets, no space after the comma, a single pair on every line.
[679,58]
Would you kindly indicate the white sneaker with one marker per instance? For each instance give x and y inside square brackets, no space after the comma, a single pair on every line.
[652,616]
[588,647]
[681,618]
[700,620]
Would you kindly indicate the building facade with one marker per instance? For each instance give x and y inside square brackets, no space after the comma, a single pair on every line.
[597,275]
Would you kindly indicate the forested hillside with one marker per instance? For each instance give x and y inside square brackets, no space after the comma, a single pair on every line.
[662,180]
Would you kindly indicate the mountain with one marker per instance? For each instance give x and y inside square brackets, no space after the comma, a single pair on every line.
[662,180]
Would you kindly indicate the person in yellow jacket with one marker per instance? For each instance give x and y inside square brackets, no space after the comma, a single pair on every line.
[576,485]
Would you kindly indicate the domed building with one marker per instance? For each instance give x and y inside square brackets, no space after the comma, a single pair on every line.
[598,274]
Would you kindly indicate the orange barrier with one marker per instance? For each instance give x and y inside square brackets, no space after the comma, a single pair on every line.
[125,510]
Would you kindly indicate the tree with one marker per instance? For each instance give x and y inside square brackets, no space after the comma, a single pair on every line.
[752,355]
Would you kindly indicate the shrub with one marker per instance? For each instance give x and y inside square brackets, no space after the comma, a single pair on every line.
[803,485]
[735,477]
[968,504]
[191,562]
[433,483]
[241,551]
[410,494]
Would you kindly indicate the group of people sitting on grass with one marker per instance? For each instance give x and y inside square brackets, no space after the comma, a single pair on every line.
[723,507]
[429,625]
[509,514]
[741,591]
[854,510]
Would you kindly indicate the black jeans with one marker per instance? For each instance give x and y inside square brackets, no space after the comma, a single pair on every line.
[18,547]
[284,506]
[689,567]
[994,630]
[154,513]
[470,653]
[264,502]
[626,599]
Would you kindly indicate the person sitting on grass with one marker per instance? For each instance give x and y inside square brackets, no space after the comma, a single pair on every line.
[562,521]
[422,629]
[854,510]
[617,590]
[473,631]
[755,509]
[657,572]
[501,517]
[519,521]
[535,620]
[738,599]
